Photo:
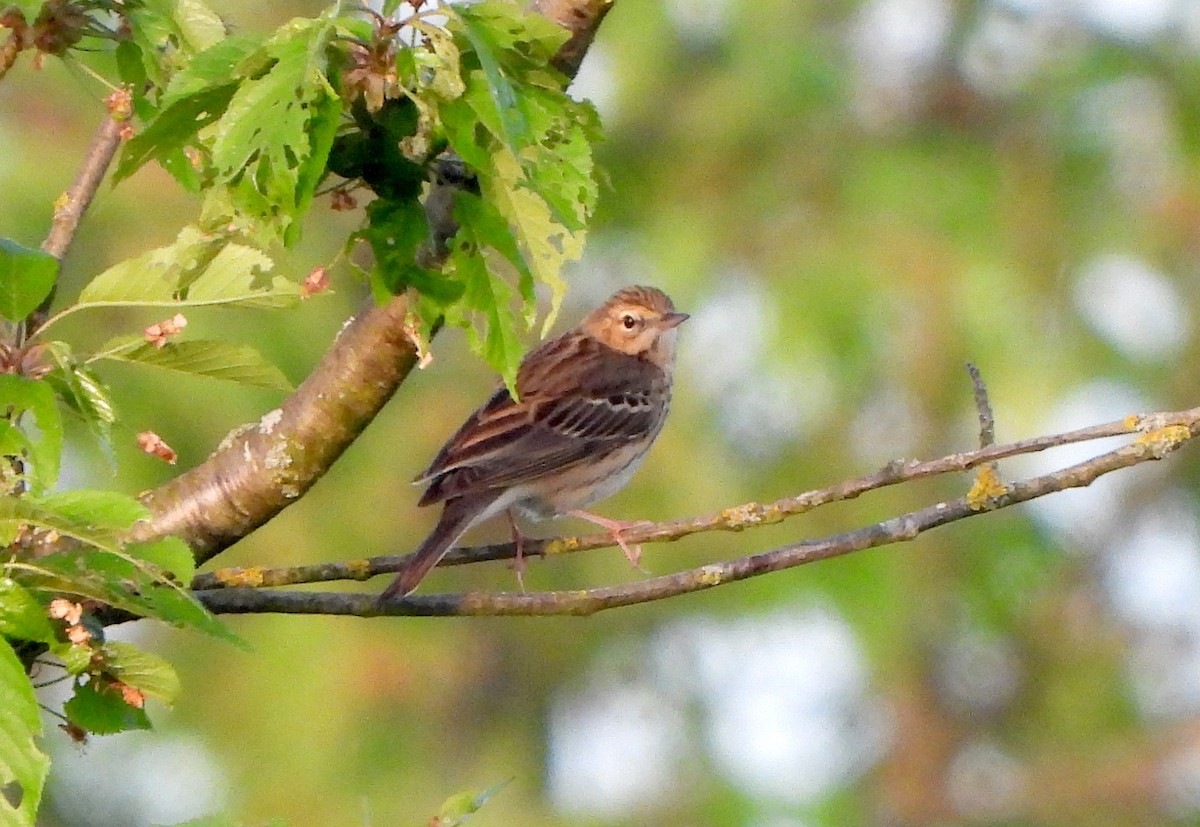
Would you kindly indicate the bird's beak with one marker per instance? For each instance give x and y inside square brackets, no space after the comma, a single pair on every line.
[670,320]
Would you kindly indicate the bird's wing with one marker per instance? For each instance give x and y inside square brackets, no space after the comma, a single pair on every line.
[605,401]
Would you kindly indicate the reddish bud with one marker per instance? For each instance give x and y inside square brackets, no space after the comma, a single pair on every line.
[153,444]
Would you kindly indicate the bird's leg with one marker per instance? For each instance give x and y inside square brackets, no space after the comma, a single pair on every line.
[518,563]
[615,527]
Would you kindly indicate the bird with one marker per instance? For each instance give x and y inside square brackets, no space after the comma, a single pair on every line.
[589,405]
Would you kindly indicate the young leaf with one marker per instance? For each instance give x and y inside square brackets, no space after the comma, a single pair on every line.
[22,395]
[21,616]
[142,670]
[26,277]
[23,767]
[101,709]
[456,809]
[81,391]
[218,360]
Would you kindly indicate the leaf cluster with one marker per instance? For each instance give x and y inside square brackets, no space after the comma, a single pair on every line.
[480,177]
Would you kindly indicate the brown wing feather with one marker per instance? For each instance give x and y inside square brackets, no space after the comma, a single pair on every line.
[612,401]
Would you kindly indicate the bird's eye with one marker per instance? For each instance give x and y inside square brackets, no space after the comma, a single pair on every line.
[629,322]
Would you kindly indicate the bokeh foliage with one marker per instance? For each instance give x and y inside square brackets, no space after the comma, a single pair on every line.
[850,216]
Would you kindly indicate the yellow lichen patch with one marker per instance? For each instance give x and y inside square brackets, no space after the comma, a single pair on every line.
[252,577]
[740,516]
[1164,440]
[560,545]
[359,569]
[1132,422]
[710,575]
[987,486]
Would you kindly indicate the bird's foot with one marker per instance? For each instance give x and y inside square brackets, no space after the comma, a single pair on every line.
[518,563]
[633,552]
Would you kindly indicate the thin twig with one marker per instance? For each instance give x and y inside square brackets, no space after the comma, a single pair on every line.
[73,204]
[987,420]
[1151,446]
[735,518]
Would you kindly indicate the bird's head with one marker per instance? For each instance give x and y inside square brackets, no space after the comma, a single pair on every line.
[637,321]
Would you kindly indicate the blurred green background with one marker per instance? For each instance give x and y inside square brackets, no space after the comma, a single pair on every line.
[853,199]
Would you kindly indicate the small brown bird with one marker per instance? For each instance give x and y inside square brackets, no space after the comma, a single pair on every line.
[591,403]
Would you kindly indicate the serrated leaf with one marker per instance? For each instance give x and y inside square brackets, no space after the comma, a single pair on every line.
[214,67]
[509,120]
[81,391]
[103,711]
[486,304]
[142,670]
[238,274]
[217,360]
[174,128]
[197,269]
[21,616]
[103,510]
[23,767]
[16,512]
[277,121]
[124,583]
[21,395]
[76,657]
[26,278]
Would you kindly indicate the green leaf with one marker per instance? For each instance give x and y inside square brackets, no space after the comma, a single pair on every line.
[170,554]
[101,709]
[28,511]
[81,391]
[21,616]
[200,26]
[278,125]
[486,305]
[104,510]
[76,657]
[26,278]
[175,127]
[126,583]
[21,395]
[395,230]
[197,269]
[218,360]
[142,670]
[23,767]
[456,809]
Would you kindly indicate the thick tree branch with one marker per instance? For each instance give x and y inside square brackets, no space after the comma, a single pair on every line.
[262,468]
[1162,433]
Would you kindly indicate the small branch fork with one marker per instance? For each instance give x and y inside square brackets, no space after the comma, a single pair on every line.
[233,591]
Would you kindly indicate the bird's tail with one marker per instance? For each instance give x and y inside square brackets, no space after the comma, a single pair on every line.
[456,518]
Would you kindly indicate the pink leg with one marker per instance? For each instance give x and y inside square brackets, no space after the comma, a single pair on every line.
[518,563]
[615,527]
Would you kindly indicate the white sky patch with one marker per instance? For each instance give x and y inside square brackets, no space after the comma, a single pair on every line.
[1136,308]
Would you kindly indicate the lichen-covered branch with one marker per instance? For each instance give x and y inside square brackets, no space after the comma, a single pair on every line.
[1160,434]
[734,518]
